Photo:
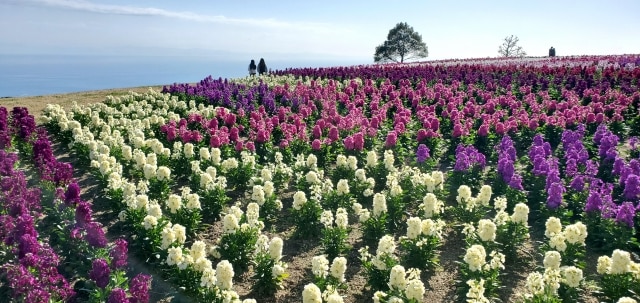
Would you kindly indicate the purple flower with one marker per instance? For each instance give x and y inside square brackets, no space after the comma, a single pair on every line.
[100,272]
[118,254]
[516,182]
[117,295]
[626,213]
[554,198]
[28,244]
[139,288]
[95,235]
[631,187]
[392,139]
[577,183]
[594,202]
[83,213]
[422,153]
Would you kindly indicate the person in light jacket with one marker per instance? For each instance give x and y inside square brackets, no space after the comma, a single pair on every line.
[252,68]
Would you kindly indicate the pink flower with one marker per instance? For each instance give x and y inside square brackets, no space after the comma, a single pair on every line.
[316,144]
[500,128]
[262,136]
[230,119]
[333,134]
[533,124]
[435,124]
[358,141]
[239,146]
[483,131]
[234,133]
[348,143]
[317,131]
[250,146]
[284,143]
[392,139]
[214,141]
[457,130]
[422,134]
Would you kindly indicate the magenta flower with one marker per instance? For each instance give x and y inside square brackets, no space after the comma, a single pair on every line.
[118,254]
[358,141]
[139,288]
[117,295]
[316,144]
[392,139]
[100,272]
[348,143]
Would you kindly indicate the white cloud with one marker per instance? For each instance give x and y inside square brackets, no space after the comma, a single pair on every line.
[87,6]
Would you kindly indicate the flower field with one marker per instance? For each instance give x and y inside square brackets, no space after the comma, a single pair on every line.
[496,180]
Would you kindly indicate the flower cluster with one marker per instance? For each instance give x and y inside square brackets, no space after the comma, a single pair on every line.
[404,286]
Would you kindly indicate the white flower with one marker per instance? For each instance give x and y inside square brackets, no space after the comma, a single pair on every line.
[364,215]
[342,218]
[499,203]
[215,156]
[149,171]
[486,230]
[552,259]
[230,224]
[174,256]
[379,204]
[299,198]
[320,266]
[204,154]
[208,278]
[352,162]
[312,161]
[338,268]
[464,193]
[163,173]
[484,196]
[372,158]
[168,237]
[386,245]
[341,161]
[180,233]
[275,248]
[431,205]
[150,222]
[501,218]
[268,188]
[361,175]
[476,291]
[198,250]
[193,201]
[552,279]
[202,264]
[552,226]
[265,174]
[229,164]
[326,218]
[174,203]
[626,300]
[475,257]
[154,210]
[189,150]
[343,187]
[224,275]
[557,242]
[520,213]
[311,294]
[604,263]
[277,270]
[396,190]
[415,290]
[497,260]
[397,278]
[620,261]
[414,227]
[312,177]
[535,283]
[572,276]
[258,194]
[575,233]
[388,160]
[334,298]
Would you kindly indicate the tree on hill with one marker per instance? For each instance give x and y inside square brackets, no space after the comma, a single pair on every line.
[510,47]
[402,44]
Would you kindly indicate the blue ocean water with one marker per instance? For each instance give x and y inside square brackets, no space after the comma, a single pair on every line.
[35,75]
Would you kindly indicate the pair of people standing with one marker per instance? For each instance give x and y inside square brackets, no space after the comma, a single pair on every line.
[261,68]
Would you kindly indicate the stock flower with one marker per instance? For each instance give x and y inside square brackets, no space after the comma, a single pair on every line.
[552,226]
[326,218]
[311,293]
[100,272]
[414,227]
[139,288]
[277,270]
[343,187]
[484,196]
[142,202]
[320,266]
[422,154]
[150,222]
[379,204]
[372,158]
[620,261]
[397,278]
[552,259]
[174,203]
[275,248]
[149,171]
[415,290]
[535,283]
[476,291]
[299,198]
[230,223]
[431,205]
[486,230]
[497,260]
[572,276]
[575,233]
[118,254]
[475,257]
[193,201]
[338,268]
[626,300]
[464,193]
[386,245]
[208,278]
[558,242]
[342,218]
[520,213]
[224,275]
[117,295]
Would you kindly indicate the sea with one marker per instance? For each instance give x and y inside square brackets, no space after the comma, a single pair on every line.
[37,75]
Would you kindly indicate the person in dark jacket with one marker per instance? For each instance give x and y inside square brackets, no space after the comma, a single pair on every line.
[262,67]
[252,68]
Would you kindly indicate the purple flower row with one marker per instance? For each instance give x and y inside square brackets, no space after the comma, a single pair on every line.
[83,228]
[506,163]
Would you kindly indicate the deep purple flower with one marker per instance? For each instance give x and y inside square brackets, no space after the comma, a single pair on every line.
[516,182]
[83,213]
[117,295]
[577,183]
[28,244]
[100,272]
[95,235]
[118,254]
[139,288]
[626,213]
[554,198]
[506,169]
[392,139]
[422,153]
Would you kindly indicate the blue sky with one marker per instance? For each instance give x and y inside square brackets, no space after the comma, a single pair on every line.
[327,30]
